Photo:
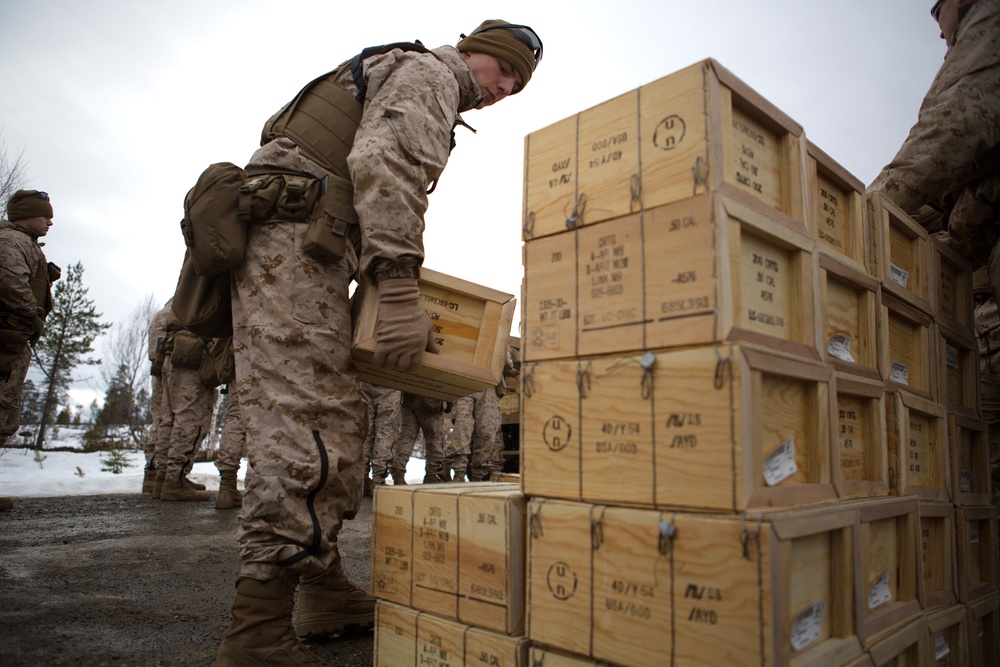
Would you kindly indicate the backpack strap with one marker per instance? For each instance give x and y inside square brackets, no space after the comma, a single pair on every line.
[357,62]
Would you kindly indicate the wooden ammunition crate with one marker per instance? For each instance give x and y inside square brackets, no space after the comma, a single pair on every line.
[957,359]
[917,439]
[408,637]
[849,310]
[947,636]
[976,530]
[938,570]
[906,646]
[864,458]
[954,302]
[968,447]
[700,129]
[706,269]
[835,210]
[632,586]
[471,325]
[542,656]
[983,628]
[908,348]
[904,261]
[887,587]
[724,428]
[456,550]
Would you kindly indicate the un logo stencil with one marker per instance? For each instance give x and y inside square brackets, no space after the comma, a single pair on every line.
[557,433]
[561,580]
[669,133]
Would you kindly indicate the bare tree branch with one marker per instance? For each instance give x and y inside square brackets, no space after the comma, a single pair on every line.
[12,174]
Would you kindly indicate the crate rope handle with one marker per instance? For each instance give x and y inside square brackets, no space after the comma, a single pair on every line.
[745,537]
[668,531]
[528,379]
[528,228]
[583,378]
[575,217]
[535,521]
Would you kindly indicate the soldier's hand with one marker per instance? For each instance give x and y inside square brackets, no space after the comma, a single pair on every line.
[404,330]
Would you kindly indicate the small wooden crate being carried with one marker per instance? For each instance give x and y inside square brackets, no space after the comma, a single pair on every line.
[471,325]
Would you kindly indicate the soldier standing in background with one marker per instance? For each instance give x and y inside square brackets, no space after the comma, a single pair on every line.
[947,173]
[232,443]
[157,334]
[384,419]
[421,414]
[26,279]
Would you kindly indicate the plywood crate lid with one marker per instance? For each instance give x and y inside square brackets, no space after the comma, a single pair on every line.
[471,325]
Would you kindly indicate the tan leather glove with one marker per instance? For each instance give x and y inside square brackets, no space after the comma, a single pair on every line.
[404,330]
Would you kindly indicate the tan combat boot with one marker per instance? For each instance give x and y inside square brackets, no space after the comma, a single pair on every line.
[398,477]
[6,503]
[176,489]
[161,475]
[148,480]
[229,496]
[261,633]
[331,604]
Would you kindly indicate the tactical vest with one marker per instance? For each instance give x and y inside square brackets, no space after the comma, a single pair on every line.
[41,287]
[323,118]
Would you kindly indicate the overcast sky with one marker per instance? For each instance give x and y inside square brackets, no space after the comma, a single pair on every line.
[119,105]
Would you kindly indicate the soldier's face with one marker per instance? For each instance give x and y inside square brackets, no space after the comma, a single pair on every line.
[948,19]
[39,225]
[495,76]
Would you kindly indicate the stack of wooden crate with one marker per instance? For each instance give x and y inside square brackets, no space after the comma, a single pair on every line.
[750,422]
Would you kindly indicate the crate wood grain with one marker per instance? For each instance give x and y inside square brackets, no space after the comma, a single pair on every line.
[968,447]
[957,358]
[908,348]
[917,440]
[983,631]
[976,530]
[886,585]
[706,269]
[541,656]
[632,586]
[723,428]
[864,457]
[947,636]
[471,326]
[954,302]
[835,210]
[697,130]
[905,262]
[906,646]
[408,637]
[938,575]
[456,550]
[849,307]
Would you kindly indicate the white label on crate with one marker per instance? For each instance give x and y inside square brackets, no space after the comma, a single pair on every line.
[806,628]
[899,373]
[899,276]
[840,346]
[941,648]
[965,482]
[879,593]
[951,356]
[780,465]
[973,533]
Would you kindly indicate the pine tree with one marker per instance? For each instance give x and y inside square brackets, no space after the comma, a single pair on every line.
[70,331]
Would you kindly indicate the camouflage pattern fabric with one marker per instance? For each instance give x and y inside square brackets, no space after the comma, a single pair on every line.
[477,423]
[157,332]
[422,413]
[384,419]
[187,410]
[232,442]
[20,256]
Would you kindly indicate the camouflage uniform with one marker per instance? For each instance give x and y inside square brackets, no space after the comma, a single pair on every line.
[384,418]
[21,258]
[303,413]
[951,161]
[422,413]
[157,334]
[232,442]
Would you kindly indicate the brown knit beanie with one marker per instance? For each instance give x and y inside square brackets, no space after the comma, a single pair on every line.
[25,204]
[501,39]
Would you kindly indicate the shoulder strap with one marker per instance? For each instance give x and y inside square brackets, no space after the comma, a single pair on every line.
[357,62]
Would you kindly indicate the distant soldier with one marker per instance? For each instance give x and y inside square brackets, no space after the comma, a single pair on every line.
[157,335]
[384,418]
[232,443]
[422,413]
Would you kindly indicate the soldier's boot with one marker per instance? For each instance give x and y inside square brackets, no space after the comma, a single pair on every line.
[229,496]
[194,485]
[398,477]
[261,633]
[161,476]
[176,489]
[331,604]
[6,503]
[367,490]
[459,475]
[148,480]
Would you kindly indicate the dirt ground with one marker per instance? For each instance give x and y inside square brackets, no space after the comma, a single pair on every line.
[131,581]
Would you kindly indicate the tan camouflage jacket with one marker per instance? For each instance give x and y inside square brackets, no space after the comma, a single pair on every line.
[401,147]
[20,256]
[158,328]
[958,122]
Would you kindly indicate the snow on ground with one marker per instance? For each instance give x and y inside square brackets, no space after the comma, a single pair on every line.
[60,473]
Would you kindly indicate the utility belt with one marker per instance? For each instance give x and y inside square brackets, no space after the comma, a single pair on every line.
[15,334]
[326,204]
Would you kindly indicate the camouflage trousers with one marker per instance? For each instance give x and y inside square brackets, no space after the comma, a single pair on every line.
[477,425]
[988,335]
[234,436]
[302,409]
[10,396]
[421,413]
[384,420]
[186,413]
[155,408]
